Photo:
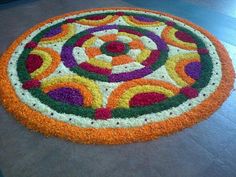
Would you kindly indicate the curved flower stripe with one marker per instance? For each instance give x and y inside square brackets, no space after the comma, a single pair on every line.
[89,84]
[143,55]
[115,96]
[139,22]
[86,93]
[125,76]
[132,36]
[89,42]
[153,57]
[171,66]
[131,31]
[68,30]
[146,99]
[180,70]
[168,34]
[100,63]
[83,39]
[131,92]
[51,60]
[104,21]
[67,57]
[91,68]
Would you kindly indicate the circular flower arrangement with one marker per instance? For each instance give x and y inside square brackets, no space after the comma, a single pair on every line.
[114,75]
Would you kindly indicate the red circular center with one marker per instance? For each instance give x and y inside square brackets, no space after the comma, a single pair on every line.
[115,47]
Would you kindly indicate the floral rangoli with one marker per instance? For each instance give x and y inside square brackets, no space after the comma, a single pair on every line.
[113,76]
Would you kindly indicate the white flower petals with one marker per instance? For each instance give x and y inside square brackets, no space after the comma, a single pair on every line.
[148,43]
[126,67]
[124,39]
[134,53]
[104,57]
[79,55]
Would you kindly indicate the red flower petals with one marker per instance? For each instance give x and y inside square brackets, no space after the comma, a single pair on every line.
[103,113]
[33,62]
[31,84]
[70,20]
[115,47]
[189,92]
[184,37]
[203,51]
[169,23]
[97,17]
[120,13]
[145,99]
[31,45]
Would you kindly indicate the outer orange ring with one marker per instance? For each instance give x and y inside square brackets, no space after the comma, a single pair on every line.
[50,127]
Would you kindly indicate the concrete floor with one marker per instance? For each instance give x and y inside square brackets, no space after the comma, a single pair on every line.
[206,150]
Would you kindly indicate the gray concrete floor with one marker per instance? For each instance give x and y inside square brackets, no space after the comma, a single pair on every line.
[206,150]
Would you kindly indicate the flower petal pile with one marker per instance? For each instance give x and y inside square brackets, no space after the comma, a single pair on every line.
[114,76]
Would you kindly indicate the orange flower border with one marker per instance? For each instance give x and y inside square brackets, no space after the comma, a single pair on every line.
[36,121]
